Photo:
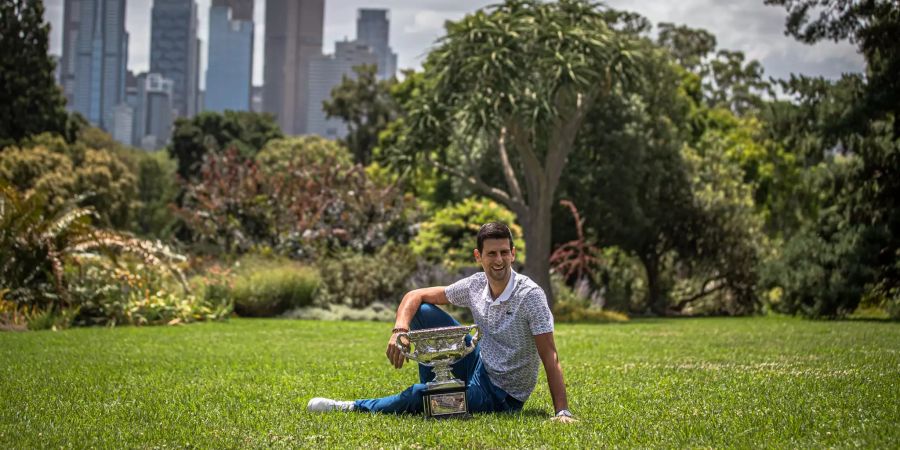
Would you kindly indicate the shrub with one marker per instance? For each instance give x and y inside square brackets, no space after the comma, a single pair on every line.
[299,206]
[449,237]
[96,177]
[621,281]
[359,280]
[52,318]
[378,312]
[817,272]
[127,291]
[33,245]
[265,288]
[56,269]
[571,306]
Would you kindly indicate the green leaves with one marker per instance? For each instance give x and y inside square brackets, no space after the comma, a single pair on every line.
[366,106]
[521,52]
[30,101]
[247,132]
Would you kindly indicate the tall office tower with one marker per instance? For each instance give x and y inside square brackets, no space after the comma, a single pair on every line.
[229,71]
[326,72]
[95,56]
[123,123]
[240,9]
[373,28]
[256,96]
[153,115]
[175,51]
[293,39]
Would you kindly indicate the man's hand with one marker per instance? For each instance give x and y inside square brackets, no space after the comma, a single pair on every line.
[393,351]
[563,419]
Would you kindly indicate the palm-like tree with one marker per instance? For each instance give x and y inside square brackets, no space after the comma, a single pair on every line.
[510,87]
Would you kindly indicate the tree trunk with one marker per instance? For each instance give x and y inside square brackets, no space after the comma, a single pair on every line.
[536,226]
[655,299]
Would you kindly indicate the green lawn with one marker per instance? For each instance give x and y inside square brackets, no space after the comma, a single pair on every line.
[758,382]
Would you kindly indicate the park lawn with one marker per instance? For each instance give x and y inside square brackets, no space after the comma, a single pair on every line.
[729,382]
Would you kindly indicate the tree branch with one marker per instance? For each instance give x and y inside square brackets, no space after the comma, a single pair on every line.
[703,292]
[511,181]
[477,183]
[564,133]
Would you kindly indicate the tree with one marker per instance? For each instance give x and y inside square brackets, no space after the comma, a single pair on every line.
[94,177]
[734,84]
[366,106]
[510,86]
[726,79]
[193,138]
[874,26]
[689,47]
[857,115]
[628,172]
[30,101]
[660,174]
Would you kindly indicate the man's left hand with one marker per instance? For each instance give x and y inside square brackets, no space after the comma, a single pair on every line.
[563,419]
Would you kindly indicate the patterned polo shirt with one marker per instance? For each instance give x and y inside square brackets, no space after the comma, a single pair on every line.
[507,325]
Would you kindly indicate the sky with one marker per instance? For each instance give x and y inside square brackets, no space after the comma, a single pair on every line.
[745,25]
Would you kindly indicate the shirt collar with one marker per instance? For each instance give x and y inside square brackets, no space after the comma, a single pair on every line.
[507,292]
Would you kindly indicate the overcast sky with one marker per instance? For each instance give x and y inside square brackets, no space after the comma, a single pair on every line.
[746,25]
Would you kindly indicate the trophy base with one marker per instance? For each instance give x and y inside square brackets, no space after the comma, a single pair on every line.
[446,403]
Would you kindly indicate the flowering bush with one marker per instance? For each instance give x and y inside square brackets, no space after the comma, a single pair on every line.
[295,198]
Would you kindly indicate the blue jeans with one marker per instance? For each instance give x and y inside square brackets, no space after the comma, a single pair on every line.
[481,393]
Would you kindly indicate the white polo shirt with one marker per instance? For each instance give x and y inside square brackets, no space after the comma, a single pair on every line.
[507,325]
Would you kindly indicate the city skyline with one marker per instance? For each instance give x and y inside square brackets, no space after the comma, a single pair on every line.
[745,25]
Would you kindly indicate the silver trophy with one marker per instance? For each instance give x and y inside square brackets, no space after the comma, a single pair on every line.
[439,348]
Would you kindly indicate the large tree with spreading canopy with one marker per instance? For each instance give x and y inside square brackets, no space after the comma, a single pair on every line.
[506,92]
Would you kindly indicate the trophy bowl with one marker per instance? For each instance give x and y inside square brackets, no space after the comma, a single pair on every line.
[439,348]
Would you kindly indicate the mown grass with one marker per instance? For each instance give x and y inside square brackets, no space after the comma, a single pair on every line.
[758,382]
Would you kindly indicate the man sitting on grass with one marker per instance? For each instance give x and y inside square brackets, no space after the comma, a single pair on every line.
[517,332]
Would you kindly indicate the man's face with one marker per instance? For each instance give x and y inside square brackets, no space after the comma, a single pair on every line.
[496,258]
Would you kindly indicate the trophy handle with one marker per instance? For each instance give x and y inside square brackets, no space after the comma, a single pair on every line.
[405,349]
[475,339]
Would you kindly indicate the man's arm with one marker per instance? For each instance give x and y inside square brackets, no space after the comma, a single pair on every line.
[406,311]
[547,350]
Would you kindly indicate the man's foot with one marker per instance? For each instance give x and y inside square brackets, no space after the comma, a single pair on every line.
[322,405]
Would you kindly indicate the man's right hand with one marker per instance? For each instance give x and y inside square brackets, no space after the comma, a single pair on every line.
[394,355]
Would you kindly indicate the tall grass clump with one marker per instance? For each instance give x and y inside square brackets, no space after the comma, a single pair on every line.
[265,287]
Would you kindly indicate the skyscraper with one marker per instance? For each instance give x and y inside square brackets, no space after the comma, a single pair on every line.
[373,29]
[240,9]
[326,72]
[153,114]
[293,39]
[229,72]
[175,51]
[95,56]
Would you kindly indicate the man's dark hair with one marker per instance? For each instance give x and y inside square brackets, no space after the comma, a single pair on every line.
[494,230]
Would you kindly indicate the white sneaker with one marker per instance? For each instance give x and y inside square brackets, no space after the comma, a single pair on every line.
[322,405]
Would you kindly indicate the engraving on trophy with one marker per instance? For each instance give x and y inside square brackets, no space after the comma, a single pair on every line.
[442,404]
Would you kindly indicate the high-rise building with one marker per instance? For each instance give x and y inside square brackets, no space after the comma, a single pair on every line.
[229,71]
[373,28]
[95,57]
[293,39]
[240,9]
[175,51]
[123,123]
[154,112]
[326,72]
[256,96]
